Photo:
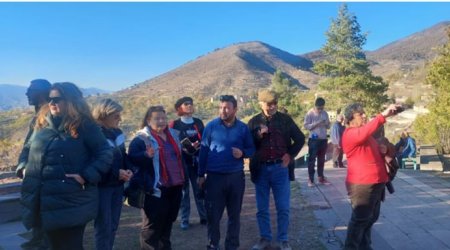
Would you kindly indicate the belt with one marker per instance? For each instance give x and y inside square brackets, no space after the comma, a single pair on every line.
[272,162]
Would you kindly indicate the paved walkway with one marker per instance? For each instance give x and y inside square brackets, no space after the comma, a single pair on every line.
[416,216]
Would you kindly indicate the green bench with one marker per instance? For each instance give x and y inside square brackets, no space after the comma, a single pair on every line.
[407,160]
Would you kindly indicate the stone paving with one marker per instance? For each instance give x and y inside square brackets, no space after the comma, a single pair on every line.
[416,216]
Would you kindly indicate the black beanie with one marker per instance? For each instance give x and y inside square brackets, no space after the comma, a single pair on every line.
[183,100]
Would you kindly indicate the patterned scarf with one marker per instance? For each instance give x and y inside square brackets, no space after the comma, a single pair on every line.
[162,159]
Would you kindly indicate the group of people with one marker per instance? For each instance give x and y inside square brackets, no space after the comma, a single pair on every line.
[74,166]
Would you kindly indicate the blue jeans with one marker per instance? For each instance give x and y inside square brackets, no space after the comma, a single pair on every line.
[185,208]
[276,177]
[107,221]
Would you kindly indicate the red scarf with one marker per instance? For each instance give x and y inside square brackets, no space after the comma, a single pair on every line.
[162,159]
[198,132]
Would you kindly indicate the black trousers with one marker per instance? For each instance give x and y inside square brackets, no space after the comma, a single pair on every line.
[366,203]
[317,148]
[224,191]
[70,238]
[338,155]
[38,240]
[158,216]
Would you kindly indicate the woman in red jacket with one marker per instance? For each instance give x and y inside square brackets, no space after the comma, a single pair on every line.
[366,173]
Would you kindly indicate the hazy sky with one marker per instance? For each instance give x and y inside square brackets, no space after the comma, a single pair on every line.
[115,45]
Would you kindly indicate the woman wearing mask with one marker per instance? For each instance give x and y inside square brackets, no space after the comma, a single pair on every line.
[156,152]
[107,113]
[67,154]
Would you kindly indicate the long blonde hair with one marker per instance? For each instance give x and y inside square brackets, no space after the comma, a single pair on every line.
[77,110]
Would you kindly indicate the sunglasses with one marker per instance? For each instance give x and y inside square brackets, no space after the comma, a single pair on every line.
[187,103]
[55,100]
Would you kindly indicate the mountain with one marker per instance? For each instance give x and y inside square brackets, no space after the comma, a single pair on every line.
[13,96]
[94,91]
[417,47]
[402,63]
[238,69]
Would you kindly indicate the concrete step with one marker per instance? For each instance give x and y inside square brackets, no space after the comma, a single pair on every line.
[10,208]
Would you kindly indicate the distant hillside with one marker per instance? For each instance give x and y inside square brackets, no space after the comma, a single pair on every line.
[236,69]
[13,96]
[416,47]
[402,63]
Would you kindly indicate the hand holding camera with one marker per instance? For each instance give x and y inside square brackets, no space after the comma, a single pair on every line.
[392,110]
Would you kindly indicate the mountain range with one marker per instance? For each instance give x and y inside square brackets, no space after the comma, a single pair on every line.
[244,67]
[13,96]
[241,69]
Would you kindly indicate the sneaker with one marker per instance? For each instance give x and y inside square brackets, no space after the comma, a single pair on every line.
[262,244]
[203,221]
[212,247]
[310,183]
[285,246]
[184,225]
[324,181]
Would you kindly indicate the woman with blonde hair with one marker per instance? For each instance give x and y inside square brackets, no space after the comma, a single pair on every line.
[67,155]
[107,113]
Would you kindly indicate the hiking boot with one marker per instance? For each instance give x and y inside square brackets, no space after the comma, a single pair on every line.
[324,181]
[262,244]
[184,225]
[310,183]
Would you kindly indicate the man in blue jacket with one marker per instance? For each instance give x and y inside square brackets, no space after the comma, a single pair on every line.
[406,147]
[226,141]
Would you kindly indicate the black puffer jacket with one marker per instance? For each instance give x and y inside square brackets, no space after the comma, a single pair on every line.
[116,140]
[51,199]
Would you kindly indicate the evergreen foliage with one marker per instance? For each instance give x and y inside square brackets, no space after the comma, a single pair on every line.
[434,127]
[289,96]
[348,77]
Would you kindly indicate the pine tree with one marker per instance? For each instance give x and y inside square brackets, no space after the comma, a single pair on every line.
[348,77]
[434,127]
[288,95]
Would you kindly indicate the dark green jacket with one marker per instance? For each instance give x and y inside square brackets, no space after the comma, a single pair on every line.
[49,198]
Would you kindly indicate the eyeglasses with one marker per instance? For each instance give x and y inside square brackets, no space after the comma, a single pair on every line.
[55,100]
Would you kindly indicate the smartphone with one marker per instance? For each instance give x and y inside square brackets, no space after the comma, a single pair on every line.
[399,109]
[187,144]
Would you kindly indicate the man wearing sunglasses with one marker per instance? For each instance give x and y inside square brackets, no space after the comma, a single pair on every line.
[226,141]
[37,94]
[278,140]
